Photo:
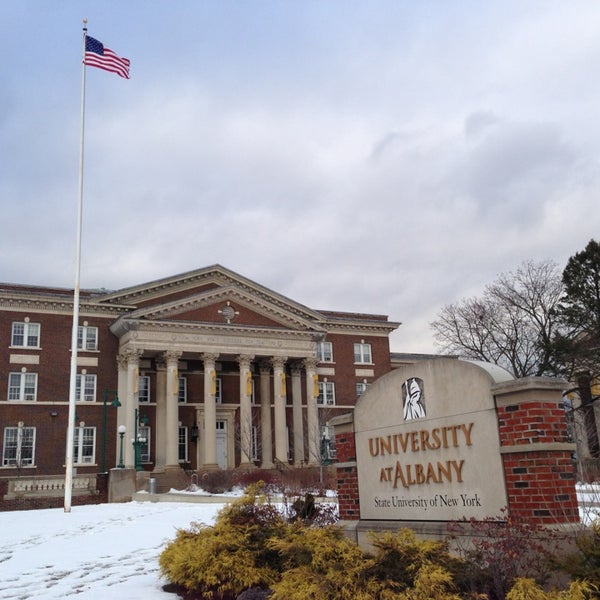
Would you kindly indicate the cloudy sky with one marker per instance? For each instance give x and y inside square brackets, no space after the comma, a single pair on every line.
[383,156]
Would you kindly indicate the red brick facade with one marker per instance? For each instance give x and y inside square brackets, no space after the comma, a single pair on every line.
[182,315]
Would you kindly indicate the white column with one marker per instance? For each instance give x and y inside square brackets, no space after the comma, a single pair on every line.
[279,401]
[245,410]
[297,415]
[312,412]
[122,411]
[265,417]
[159,435]
[129,372]
[172,412]
[210,411]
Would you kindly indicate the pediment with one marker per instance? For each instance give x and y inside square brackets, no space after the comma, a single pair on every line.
[227,305]
[214,296]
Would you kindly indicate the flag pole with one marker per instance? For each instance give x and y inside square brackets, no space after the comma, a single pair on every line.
[75,327]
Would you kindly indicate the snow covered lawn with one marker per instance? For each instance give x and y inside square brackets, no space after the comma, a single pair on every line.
[93,552]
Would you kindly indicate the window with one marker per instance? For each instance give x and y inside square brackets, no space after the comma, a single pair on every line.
[144,439]
[88,382]
[22,386]
[218,388]
[182,390]
[87,338]
[26,335]
[325,351]
[254,443]
[362,353]
[326,393]
[19,446]
[361,388]
[84,445]
[144,388]
[183,444]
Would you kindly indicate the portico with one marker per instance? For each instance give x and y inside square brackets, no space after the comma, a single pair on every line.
[252,397]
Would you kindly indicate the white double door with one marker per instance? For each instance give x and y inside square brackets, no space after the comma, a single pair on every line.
[222,444]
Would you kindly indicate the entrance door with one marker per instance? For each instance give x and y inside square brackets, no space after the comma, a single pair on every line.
[222,444]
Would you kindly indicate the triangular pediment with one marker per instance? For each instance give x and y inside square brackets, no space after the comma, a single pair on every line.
[214,295]
[225,305]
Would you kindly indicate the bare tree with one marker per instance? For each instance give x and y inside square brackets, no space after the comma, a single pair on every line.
[511,324]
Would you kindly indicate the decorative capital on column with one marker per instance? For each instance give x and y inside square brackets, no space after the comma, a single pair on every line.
[265,367]
[209,358]
[310,363]
[130,356]
[172,356]
[245,360]
[278,362]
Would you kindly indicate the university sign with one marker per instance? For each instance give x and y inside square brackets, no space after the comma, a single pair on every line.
[427,444]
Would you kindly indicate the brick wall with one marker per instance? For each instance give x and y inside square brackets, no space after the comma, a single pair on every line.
[536,452]
[346,471]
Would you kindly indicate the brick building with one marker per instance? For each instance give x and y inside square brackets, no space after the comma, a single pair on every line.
[205,369]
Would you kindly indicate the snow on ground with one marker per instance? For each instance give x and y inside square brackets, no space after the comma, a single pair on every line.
[93,552]
[111,550]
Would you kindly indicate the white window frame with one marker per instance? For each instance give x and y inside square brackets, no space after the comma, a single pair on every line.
[89,387]
[182,444]
[90,335]
[218,391]
[27,334]
[363,354]
[325,351]
[20,439]
[326,393]
[145,432]
[23,390]
[144,384]
[182,390]
[84,441]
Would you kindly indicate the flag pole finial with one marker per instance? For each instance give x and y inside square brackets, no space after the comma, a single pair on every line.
[84,23]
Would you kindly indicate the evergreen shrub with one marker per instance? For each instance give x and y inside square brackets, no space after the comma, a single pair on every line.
[255,551]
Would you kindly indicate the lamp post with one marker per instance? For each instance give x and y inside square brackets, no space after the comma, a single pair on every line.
[195,433]
[122,430]
[115,403]
[137,441]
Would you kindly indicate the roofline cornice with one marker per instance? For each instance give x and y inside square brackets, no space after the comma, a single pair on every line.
[58,305]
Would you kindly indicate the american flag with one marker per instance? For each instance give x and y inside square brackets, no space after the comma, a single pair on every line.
[98,55]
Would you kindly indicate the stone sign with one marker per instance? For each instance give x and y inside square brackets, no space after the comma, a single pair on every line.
[427,444]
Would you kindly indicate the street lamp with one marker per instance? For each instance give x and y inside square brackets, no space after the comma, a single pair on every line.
[122,430]
[115,403]
[195,433]
[138,440]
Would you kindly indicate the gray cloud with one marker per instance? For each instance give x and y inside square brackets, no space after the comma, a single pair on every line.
[387,160]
